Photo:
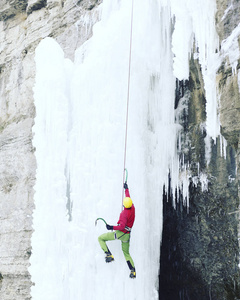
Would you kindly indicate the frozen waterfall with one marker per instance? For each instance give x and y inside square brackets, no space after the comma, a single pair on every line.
[79,138]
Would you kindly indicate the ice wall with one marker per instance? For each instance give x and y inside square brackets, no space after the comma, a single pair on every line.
[79,139]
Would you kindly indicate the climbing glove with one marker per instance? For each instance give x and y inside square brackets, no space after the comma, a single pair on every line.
[109,227]
[125,186]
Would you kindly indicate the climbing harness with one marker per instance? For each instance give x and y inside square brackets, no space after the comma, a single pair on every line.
[118,238]
[128,94]
[128,228]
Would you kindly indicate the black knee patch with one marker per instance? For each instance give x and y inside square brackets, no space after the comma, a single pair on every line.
[129,265]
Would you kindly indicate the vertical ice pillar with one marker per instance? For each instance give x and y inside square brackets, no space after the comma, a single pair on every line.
[49,261]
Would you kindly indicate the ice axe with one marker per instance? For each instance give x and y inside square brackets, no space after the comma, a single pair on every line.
[126,174]
[100,219]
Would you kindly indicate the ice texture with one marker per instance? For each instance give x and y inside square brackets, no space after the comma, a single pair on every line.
[79,135]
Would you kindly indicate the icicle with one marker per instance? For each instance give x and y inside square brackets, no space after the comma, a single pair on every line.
[204,181]
[223,146]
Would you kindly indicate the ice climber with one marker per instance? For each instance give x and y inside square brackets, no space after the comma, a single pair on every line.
[121,232]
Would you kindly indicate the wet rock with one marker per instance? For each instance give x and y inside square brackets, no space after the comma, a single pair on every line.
[200,249]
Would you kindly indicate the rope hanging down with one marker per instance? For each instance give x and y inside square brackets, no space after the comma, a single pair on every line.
[128,94]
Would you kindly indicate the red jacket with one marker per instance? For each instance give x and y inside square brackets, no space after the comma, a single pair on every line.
[126,218]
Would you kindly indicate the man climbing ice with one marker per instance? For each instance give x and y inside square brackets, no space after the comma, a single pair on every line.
[122,232]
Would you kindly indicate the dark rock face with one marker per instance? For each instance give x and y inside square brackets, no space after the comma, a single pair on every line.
[200,250]
[230,103]
[9,9]
[199,254]
[36,5]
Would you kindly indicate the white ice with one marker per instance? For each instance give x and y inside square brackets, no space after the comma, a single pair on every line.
[79,135]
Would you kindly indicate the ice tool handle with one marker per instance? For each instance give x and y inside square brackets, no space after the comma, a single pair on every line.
[100,219]
[126,175]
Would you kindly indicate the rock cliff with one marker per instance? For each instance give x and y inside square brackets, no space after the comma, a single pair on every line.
[22,25]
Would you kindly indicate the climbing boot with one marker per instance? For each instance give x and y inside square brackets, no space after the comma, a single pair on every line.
[109,257]
[133,273]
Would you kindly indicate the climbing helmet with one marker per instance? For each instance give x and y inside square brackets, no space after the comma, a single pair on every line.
[127,202]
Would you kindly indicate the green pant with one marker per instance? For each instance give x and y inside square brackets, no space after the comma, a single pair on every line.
[124,238]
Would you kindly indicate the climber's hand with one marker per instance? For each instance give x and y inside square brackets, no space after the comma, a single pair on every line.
[109,227]
[125,186]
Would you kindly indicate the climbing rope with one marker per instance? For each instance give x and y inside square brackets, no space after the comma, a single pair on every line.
[128,94]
